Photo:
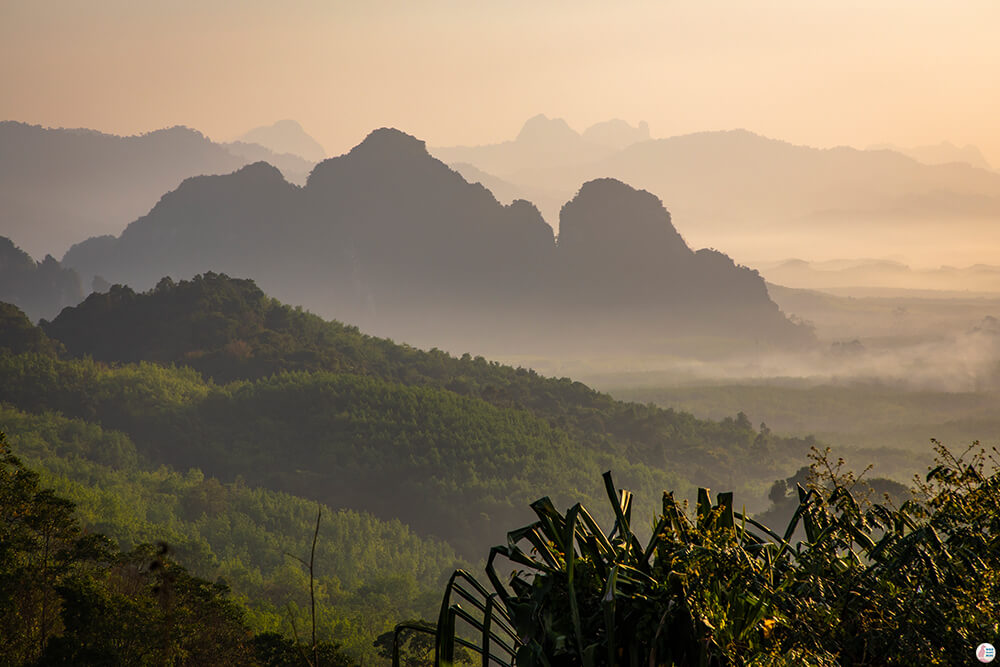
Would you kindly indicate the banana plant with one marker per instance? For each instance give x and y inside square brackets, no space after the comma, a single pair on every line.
[692,592]
[867,583]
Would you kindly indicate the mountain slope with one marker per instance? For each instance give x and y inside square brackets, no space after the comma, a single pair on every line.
[59,186]
[545,142]
[369,571]
[393,240]
[240,212]
[292,167]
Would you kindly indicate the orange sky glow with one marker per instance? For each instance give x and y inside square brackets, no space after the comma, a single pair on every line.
[820,73]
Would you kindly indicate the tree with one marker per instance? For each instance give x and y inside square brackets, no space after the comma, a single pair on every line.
[69,598]
[416,648]
[869,583]
[37,539]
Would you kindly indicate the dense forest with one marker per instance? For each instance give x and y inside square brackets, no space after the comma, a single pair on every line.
[850,579]
[370,572]
[188,441]
[71,596]
[237,339]
[209,416]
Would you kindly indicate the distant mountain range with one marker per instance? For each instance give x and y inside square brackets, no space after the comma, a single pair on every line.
[286,137]
[293,167]
[942,153]
[389,238]
[870,277]
[61,186]
[545,142]
[762,198]
[759,199]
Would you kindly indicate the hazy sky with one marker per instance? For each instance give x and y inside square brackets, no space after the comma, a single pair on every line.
[822,72]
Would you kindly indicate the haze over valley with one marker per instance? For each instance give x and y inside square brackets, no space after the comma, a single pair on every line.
[609,288]
[304,309]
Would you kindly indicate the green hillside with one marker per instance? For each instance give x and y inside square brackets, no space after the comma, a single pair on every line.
[865,422]
[228,329]
[370,572]
[209,416]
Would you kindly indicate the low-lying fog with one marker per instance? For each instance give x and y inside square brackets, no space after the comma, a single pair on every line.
[910,343]
[887,374]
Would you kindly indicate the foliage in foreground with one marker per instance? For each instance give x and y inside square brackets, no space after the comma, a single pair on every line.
[871,584]
[68,597]
[370,572]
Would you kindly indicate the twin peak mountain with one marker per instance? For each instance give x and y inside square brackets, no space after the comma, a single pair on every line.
[391,239]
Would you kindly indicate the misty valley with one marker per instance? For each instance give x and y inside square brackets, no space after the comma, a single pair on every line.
[713,399]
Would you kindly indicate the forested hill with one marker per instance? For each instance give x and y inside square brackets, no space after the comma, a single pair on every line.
[248,397]
[229,330]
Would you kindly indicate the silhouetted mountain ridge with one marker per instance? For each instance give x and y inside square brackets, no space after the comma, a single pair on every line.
[294,168]
[766,198]
[286,136]
[641,223]
[542,142]
[942,153]
[542,129]
[393,240]
[616,133]
[60,186]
